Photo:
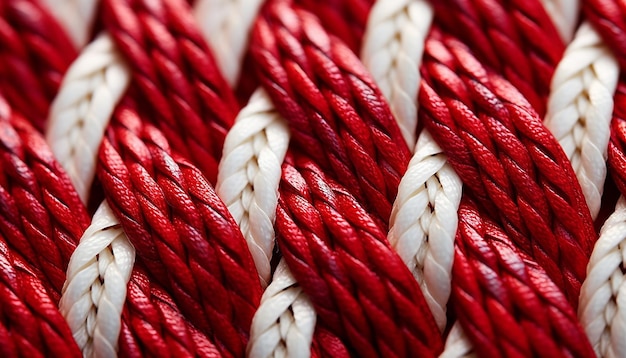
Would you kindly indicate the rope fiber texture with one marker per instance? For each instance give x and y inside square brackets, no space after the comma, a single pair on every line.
[508,160]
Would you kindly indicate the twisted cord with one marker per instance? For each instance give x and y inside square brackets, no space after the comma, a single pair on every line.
[505,302]
[392,52]
[617,142]
[93,85]
[31,325]
[41,215]
[186,95]
[335,112]
[226,26]
[580,109]
[564,15]
[76,17]
[457,344]
[360,288]
[92,308]
[508,160]
[34,54]
[608,17]
[602,294]
[516,38]
[182,232]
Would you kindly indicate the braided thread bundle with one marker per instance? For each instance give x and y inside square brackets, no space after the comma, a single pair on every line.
[182,232]
[505,302]
[34,54]
[175,72]
[508,160]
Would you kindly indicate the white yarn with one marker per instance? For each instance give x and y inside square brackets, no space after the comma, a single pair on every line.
[392,51]
[92,308]
[76,17]
[93,85]
[602,308]
[283,325]
[226,25]
[564,14]
[580,109]
[457,344]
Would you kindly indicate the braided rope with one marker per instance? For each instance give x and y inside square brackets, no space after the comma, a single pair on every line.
[508,161]
[34,54]
[92,86]
[457,344]
[76,17]
[564,15]
[580,108]
[92,308]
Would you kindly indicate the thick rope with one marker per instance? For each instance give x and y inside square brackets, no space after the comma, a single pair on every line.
[580,109]
[93,85]
[76,17]
[508,161]
[609,19]
[34,54]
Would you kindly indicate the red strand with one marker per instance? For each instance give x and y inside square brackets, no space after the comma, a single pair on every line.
[617,144]
[508,160]
[506,303]
[609,19]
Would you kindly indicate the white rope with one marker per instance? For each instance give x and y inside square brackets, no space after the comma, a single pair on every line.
[226,25]
[580,109]
[392,51]
[564,15]
[602,309]
[457,344]
[92,308]
[249,175]
[93,85]
[283,325]
[76,17]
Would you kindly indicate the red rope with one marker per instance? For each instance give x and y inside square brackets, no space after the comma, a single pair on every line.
[508,160]
[335,112]
[183,90]
[506,303]
[361,289]
[617,144]
[181,230]
[609,19]
[34,54]
[515,37]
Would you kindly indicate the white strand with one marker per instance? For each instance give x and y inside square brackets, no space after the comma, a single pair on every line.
[283,325]
[564,14]
[602,309]
[92,308]
[457,344]
[76,17]
[580,109]
[226,25]
[392,51]
[92,86]
[249,175]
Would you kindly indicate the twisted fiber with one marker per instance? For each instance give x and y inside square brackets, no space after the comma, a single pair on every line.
[335,112]
[93,85]
[185,92]
[617,142]
[182,231]
[76,17]
[41,215]
[609,19]
[249,175]
[508,160]
[505,302]
[34,54]
[515,37]
[601,308]
[360,288]
[564,15]
[392,51]
[226,26]
[95,291]
[580,108]
[457,344]
[30,324]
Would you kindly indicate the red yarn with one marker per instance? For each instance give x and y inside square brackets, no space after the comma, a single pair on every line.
[617,144]
[361,289]
[506,303]
[515,37]
[181,87]
[182,232]
[335,111]
[609,19]
[34,54]
[508,160]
